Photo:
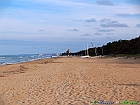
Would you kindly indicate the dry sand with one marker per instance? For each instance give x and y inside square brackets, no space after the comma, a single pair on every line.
[70,81]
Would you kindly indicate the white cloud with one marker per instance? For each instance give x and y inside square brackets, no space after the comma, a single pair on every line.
[106,30]
[90,20]
[105,20]
[86,34]
[113,24]
[128,15]
[73,30]
[50,19]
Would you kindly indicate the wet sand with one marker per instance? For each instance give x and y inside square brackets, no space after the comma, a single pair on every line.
[70,81]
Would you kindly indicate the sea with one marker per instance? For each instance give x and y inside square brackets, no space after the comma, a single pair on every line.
[14,59]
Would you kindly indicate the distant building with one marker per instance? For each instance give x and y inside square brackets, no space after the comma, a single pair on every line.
[68,51]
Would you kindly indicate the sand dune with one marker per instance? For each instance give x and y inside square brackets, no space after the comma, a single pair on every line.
[70,81]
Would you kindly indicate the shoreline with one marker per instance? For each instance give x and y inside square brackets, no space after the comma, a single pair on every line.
[21,58]
[70,81]
[94,57]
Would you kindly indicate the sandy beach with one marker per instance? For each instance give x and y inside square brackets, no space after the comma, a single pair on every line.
[70,81]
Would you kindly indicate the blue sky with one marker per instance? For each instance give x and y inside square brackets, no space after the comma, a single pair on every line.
[53,26]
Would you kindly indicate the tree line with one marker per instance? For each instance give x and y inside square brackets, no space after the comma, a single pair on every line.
[116,47]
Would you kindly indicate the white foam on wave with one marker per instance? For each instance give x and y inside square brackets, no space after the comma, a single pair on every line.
[14,59]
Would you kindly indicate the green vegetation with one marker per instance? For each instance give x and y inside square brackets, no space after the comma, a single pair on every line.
[121,48]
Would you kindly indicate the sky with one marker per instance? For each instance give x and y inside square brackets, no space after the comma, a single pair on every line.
[53,26]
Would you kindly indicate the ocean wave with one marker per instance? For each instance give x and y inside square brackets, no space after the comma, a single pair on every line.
[13,59]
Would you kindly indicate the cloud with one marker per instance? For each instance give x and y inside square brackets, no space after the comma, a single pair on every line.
[96,28]
[113,24]
[73,30]
[123,14]
[90,20]
[86,34]
[86,25]
[97,33]
[110,33]
[87,21]
[103,30]
[128,15]
[104,2]
[138,25]
[105,20]
[41,30]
